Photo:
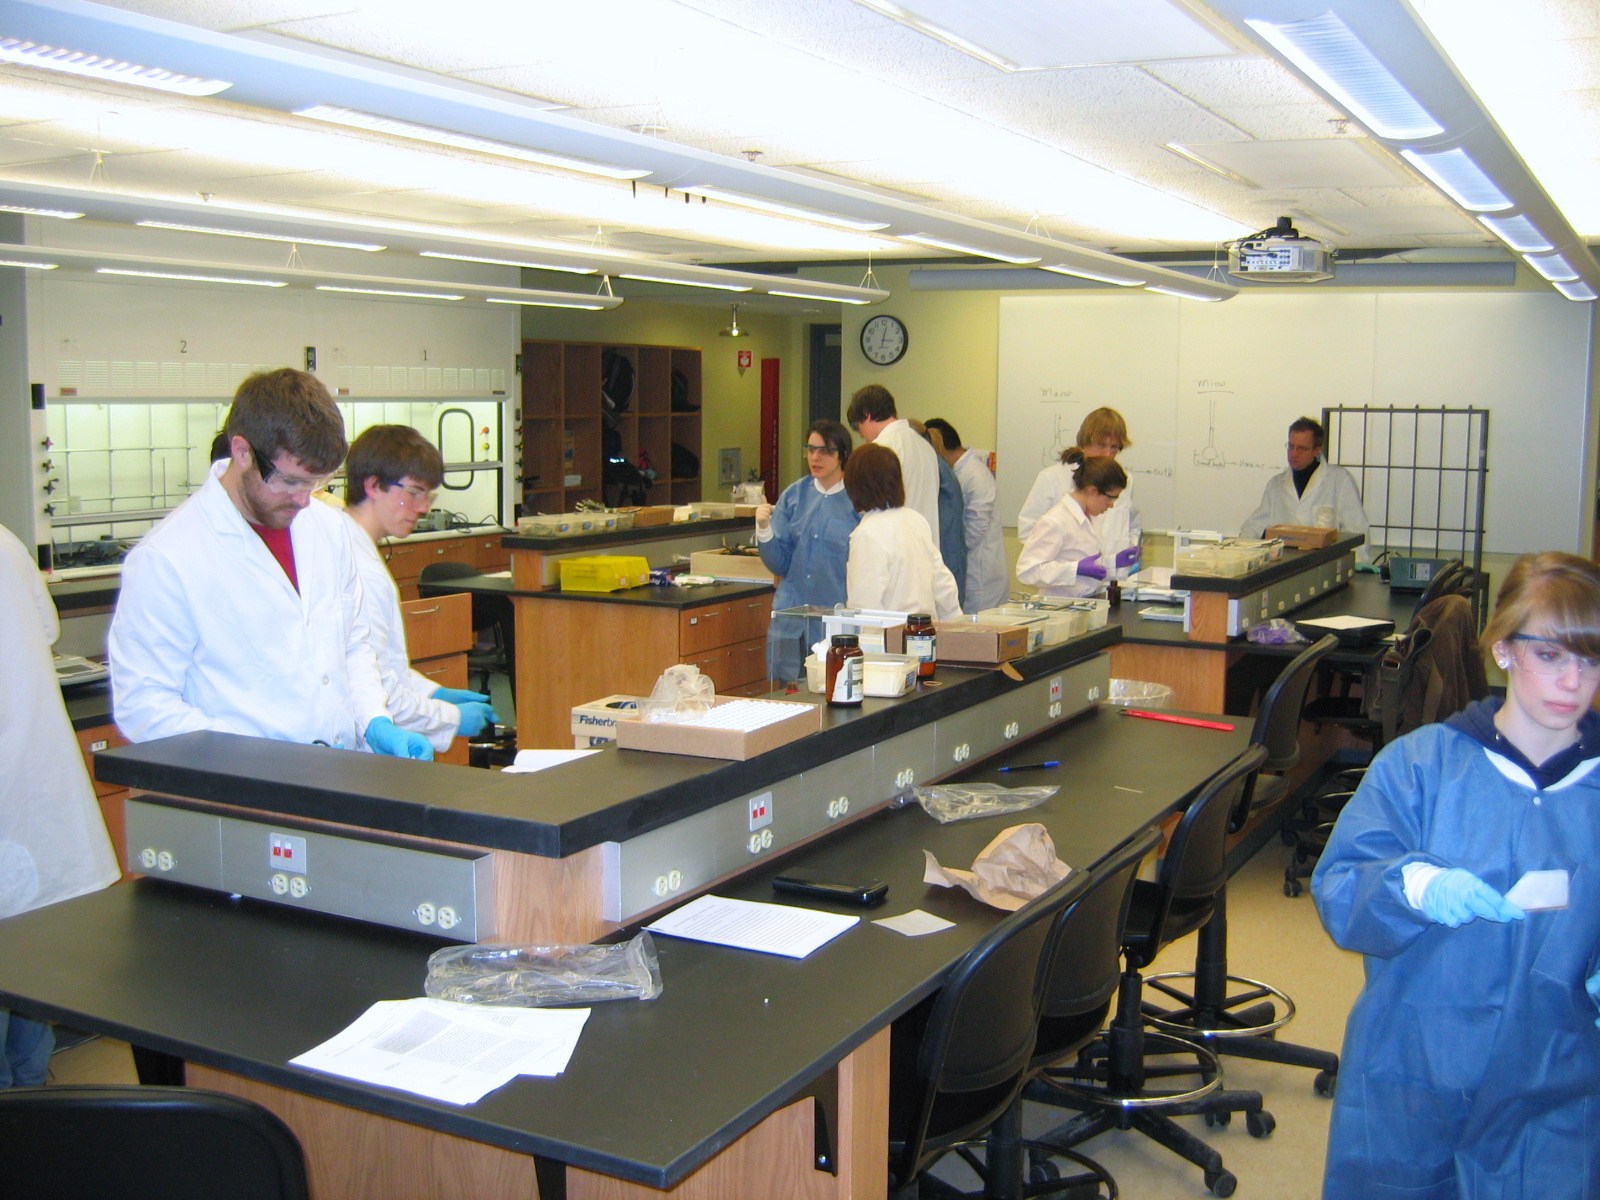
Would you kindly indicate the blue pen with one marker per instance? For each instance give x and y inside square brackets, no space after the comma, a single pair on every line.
[1044,766]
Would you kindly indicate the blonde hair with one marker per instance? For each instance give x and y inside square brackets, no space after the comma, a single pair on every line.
[1557,593]
[1102,424]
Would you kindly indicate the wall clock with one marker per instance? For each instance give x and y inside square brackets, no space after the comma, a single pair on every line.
[883,339]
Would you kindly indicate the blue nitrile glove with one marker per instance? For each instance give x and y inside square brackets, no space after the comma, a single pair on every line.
[476,716]
[1128,558]
[458,696]
[1459,896]
[1592,986]
[1090,568]
[385,737]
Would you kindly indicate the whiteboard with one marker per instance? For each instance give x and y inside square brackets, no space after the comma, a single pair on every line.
[1209,390]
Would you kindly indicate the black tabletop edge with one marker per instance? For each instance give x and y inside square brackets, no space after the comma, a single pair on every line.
[622,537]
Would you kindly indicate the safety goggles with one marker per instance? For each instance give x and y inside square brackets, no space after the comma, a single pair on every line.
[1545,656]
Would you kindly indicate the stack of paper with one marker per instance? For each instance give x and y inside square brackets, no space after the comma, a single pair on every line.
[749,925]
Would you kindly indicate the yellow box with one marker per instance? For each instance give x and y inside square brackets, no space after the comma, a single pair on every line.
[604,573]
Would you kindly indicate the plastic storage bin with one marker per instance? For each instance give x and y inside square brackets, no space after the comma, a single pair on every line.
[1135,693]
[604,573]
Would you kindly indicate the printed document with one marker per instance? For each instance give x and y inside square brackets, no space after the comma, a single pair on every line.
[750,925]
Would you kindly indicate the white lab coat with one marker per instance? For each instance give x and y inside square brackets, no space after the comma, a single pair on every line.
[894,565]
[1117,528]
[53,842]
[988,576]
[408,692]
[210,634]
[1329,487]
[1058,541]
[919,469]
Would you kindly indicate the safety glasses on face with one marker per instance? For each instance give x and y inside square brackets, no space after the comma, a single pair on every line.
[822,451]
[1545,656]
[414,495]
[285,485]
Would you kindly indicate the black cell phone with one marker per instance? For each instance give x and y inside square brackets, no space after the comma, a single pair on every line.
[804,883]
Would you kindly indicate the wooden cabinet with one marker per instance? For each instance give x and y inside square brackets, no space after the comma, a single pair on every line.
[112,797]
[481,551]
[438,636]
[567,421]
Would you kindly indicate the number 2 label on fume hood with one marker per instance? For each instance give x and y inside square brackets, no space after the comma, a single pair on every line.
[285,852]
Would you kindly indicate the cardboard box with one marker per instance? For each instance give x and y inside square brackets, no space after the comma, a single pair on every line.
[745,510]
[971,642]
[595,723]
[651,514]
[720,564]
[1302,537]
[670,737]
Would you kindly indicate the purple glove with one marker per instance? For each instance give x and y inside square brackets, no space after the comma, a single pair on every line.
[1090,568]
[1128,557]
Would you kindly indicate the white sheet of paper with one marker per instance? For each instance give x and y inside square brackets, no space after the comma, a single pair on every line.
[750,925]
[915,923]
[1342,622]
[528,761]
[1538,891]
[452,1052]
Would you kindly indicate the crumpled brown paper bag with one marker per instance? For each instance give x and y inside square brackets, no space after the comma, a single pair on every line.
[1018,865]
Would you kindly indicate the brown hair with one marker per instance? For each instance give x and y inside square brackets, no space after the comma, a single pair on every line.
[1557,593]
[1319,435]
[871,403]
[389,453]
[1099,425]
[288,411]
[836,435]
[1097,471]
[872,479]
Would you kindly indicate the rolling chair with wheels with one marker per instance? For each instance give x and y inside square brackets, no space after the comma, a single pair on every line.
[958,1061]
[1116,1081]
[1245,1023]
[144,1143]
[493,624]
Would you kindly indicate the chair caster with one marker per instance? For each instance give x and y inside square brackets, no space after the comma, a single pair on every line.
[1221,1182]
[1292,888]
[1326,1083]
[1260,1124]
[1218,1120]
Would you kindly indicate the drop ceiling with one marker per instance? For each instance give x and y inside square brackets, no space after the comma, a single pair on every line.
[1095,143]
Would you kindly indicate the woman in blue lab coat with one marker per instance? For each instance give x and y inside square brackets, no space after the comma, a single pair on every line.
[805,539]
[1471,1058]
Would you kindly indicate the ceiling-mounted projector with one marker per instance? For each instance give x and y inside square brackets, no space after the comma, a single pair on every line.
[1280,255]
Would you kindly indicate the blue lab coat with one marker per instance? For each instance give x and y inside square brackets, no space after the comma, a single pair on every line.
[1471,1059]
[809,547]
[952,527]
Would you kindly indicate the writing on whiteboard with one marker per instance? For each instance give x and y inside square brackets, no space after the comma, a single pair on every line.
[1055,393]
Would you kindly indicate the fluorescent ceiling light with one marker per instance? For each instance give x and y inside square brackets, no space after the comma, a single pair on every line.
[1181,295]
[60,214]
[577,302]
[1201,160]
[461,141]
[261,237]
[107,70]
[1463,180]
[1552,266]
[923,239]
[366,291]
[721,287]
[272,283]
[1575,291]
[939,33]
[1338,61]
[507,262]
[816,296]
[37,266]
[1521,234]
[786,210]
[1063,269]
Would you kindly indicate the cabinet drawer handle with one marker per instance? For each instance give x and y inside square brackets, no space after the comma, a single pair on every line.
[424,612]
[436,672]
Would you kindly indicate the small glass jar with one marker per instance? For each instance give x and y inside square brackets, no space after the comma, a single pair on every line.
[922,641]
[846,665]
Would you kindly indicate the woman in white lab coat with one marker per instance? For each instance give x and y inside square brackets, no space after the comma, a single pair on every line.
[1062,555]
[53,843]
[893,563]
[1103,433]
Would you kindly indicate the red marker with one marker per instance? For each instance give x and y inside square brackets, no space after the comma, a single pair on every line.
[1195,721]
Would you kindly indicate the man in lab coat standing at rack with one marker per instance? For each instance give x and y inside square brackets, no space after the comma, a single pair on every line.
[240,611]
[872,414]
[1310,492]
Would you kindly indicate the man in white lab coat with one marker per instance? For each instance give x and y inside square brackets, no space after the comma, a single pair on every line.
[240,611]
[1310,492]
[872,414]
[53,843]
[988,576]
[391,477]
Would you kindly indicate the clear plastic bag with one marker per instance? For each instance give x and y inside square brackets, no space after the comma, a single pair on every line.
[537,976]
[965,801]
[680,691]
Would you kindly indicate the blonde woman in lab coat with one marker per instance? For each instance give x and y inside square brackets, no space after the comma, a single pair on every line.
[1103,433]
[1062,555]
[893,564]
[53,843]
